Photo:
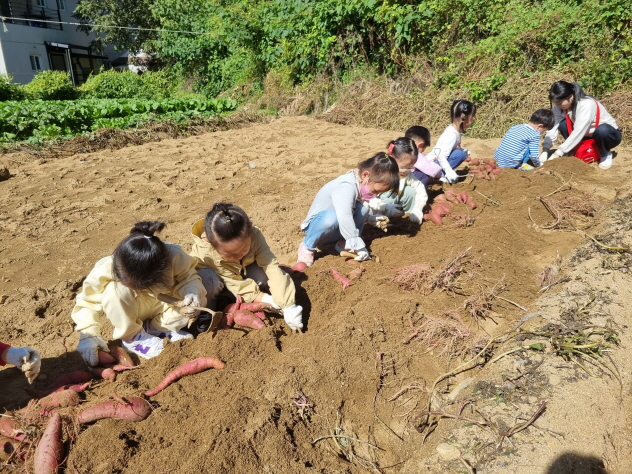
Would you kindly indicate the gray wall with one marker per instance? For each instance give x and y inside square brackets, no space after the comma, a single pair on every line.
[18,42]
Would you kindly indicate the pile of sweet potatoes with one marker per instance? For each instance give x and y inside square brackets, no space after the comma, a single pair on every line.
[483,168]
[443,205]
[53,412]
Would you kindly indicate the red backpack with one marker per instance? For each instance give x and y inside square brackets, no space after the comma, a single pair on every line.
[587,150]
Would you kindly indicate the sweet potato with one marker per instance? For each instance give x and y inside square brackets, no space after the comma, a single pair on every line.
[474,162]
[104,373]
[452,196]
[120,368]
[442,210]
[497,171]
[193,367]
[344,281]
[299,267]
[106,359]
[10,428]
[134,409]
[435,218]
[246,319]
[427,216]
[439,198]
[261,315]
[231,308]
[49,453]
[463,197]
[355,274]
[471,203]
[467,159]
[65,398]
[256,306]
[43,393]
[78,376]
[121,356]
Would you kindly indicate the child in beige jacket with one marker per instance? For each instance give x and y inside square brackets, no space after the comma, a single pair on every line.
[125,286]
[227,242]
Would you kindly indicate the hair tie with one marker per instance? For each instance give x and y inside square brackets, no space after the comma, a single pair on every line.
[390,148]
[147,236]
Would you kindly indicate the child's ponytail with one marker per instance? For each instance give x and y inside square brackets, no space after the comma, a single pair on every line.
[461,109]
[141,259]
[226,222]
[402,147]
[383,169]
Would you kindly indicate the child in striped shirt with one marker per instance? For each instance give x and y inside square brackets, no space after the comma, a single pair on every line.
[520,143]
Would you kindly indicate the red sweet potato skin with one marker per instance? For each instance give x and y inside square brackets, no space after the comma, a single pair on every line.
[49,453]
[9,427]
[65,398]
[121,356]
[246,319]
[78,376]
[136,409]
[193,367]
[104,373]
[106,359]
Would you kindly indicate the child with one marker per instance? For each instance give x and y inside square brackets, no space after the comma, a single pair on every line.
[125,286]
[448,152]
[425,170]
[411,196]
[26,359]
[520,143]
[590,120]
[338,214]
[227,242]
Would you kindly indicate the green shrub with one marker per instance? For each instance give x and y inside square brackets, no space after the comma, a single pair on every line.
[9,90]
[51,85]
[113,84]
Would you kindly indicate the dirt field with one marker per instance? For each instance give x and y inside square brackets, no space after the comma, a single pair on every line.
[363,363]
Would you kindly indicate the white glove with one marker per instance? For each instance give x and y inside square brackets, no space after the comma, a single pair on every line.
[363,254]
[451,175]
[266,298]
[190,299]
[26,359]
[558,153]
[416,216]
[293,316]
[467,152]
[89,346]
[381,222]
[393,210]
[544,156]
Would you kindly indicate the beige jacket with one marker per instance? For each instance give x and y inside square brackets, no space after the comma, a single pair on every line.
[231,271]
[126,308]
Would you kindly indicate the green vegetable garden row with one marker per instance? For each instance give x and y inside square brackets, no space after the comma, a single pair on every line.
[37,120]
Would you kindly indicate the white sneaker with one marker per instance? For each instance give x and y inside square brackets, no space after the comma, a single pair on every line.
[143,345]
[605,162]
[443,179]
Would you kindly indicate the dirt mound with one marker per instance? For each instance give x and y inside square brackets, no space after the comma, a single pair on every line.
[344,396]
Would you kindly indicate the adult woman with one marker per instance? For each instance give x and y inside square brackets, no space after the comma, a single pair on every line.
[589,119]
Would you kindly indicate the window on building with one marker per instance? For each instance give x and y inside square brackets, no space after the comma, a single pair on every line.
[40,3]
[61,4]
[35,62]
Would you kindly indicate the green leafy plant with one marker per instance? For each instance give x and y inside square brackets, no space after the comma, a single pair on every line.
[8,89]
[51,85]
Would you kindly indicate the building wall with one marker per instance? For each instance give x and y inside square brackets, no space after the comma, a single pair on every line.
[18,42]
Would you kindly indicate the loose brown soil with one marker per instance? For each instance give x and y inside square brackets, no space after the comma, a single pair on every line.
[60,216]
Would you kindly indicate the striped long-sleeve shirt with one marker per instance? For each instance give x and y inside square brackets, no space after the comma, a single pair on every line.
[520,142]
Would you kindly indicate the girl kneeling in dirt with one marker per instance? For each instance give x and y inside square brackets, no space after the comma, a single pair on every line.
[126,285]
[448,152]
[590,119]
[411,196]
[338,212]
[226,243]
